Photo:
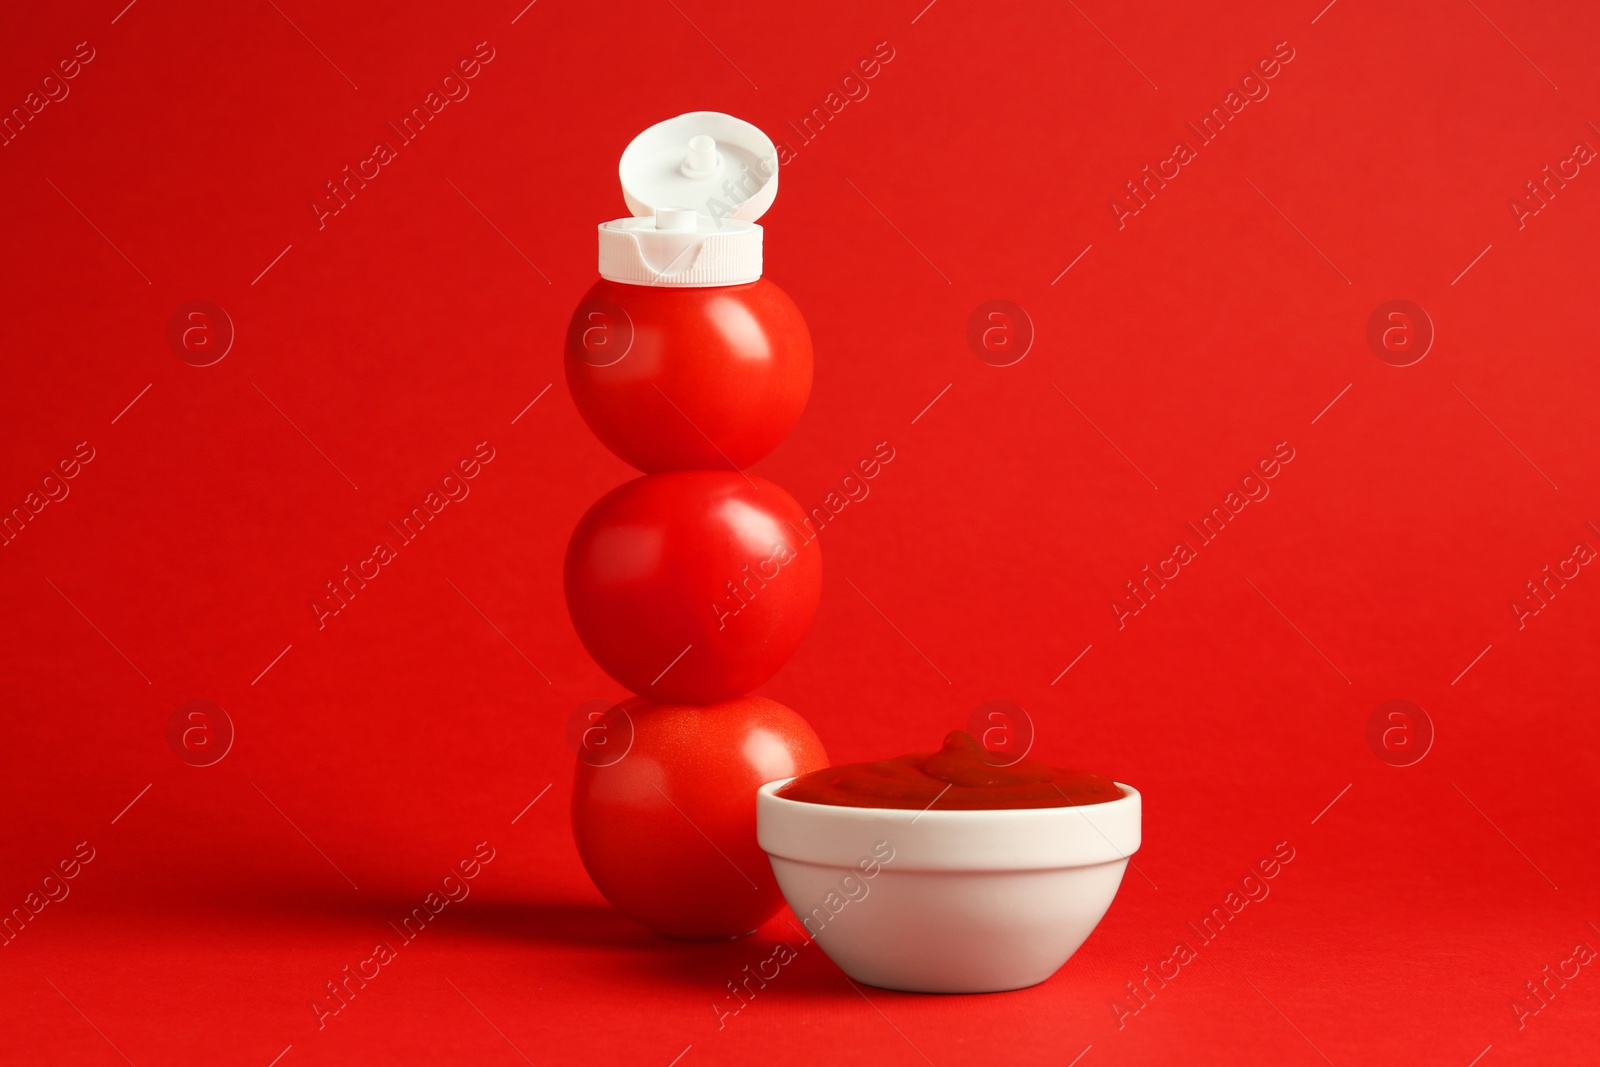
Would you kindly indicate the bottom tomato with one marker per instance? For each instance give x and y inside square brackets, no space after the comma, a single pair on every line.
[668,830]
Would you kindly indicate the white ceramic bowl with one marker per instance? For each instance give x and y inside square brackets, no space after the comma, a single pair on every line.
[948,901]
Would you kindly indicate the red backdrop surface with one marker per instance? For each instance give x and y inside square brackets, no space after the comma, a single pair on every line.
[1175,345]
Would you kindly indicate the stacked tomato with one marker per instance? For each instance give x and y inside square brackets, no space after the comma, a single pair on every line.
[690,586]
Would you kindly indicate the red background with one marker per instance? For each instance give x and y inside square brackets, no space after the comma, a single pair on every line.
[408,329]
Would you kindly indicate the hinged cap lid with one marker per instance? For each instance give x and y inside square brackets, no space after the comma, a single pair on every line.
[713,163]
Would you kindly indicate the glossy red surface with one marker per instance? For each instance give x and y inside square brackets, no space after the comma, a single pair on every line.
[685,378]
[961,776]
[693,586]
[668,832]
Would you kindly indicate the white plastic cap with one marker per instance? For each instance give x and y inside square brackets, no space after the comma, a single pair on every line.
[696,184]
[665,251]
[713,163]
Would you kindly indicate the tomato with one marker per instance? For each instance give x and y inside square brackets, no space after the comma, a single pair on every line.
[668,832]
[693,586]
[686,378]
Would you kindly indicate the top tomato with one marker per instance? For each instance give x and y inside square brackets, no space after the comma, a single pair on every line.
[689,379]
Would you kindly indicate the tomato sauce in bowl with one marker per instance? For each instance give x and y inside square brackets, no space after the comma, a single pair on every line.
[961,776]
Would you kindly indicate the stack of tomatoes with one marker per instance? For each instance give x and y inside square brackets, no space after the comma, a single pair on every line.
[690,586]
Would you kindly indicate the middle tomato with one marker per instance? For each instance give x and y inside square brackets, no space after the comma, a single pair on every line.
[693,586]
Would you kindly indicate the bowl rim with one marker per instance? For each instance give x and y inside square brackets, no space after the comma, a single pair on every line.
[767,793]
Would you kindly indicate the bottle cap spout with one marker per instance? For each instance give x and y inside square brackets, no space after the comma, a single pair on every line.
[676,219]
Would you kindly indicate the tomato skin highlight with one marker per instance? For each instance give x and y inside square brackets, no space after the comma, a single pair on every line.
[693,586]
[689,378]
[650,826]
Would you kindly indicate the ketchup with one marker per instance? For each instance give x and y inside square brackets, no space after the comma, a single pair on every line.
[961,776]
